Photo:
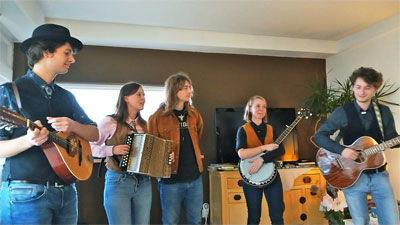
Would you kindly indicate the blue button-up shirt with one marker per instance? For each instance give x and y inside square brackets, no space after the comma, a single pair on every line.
[38,100]
[338,120]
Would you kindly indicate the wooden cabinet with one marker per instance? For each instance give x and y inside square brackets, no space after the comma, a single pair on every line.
[228,204]
[303,199]
[227,201]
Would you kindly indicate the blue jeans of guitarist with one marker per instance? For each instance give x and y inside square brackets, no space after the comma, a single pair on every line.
[127,198]
[274,196]
[378,185]
[24,203]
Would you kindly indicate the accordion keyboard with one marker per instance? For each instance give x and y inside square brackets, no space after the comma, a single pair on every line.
[123,164]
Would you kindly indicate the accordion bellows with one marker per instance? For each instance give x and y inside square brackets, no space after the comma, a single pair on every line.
[148,155]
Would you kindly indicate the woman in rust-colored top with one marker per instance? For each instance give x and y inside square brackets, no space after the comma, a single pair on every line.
[253,138]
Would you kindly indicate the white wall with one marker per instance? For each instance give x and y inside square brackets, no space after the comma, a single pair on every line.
[6,57]
[382,52]
[6,63]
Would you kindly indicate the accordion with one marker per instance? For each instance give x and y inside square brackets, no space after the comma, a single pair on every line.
[148,155]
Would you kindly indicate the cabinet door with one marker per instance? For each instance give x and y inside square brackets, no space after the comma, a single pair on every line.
[237,209]
[293,208]
[237,214]
[311,208]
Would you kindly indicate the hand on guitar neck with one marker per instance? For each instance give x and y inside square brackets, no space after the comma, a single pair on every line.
[350,153]
[69,154]
[37,136]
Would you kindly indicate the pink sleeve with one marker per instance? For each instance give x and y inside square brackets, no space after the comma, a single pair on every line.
[107,129]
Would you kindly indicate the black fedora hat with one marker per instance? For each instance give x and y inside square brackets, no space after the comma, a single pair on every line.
[51,32]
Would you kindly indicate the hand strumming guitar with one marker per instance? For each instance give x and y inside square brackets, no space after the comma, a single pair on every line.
[350,153]
[255,165]
[63,124]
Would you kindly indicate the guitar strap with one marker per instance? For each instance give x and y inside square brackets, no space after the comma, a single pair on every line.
[379,118]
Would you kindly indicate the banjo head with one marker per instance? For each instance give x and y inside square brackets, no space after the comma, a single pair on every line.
[265,175]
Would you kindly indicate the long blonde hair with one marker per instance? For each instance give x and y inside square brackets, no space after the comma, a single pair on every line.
[173,84]
[247,112]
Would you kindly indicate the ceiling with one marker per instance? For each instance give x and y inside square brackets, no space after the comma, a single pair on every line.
[300,28]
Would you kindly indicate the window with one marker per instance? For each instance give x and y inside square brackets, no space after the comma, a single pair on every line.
[100,100]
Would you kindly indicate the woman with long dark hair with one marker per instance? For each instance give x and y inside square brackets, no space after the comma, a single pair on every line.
[127,196]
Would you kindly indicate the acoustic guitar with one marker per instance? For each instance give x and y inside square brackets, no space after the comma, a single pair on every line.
[341,172]
[69,155]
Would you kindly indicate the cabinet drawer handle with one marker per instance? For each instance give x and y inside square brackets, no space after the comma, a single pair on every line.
[237,197]
[303,216]
[314,189]
[302,200]
[306,179]
[240,183]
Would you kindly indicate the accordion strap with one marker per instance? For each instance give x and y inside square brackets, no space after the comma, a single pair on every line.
[101,166]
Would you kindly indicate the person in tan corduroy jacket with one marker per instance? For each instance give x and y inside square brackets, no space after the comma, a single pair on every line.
[179,121]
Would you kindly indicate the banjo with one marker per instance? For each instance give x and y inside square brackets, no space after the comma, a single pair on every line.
[268,171]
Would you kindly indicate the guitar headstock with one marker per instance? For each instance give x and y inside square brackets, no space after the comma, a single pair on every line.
[306,113]
[10,119]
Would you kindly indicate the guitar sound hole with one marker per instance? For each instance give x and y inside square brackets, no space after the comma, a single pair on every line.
[302,200]
[361,157]
[237,197]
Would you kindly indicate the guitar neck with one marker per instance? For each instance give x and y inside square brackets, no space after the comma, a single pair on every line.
[382,146]
[52,135]
[12,119]
[286,132]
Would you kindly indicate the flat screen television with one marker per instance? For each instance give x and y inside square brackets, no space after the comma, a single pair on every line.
[228,120]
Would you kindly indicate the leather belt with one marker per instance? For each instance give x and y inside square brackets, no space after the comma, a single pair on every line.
[45,183]
[377,170]
[131,173]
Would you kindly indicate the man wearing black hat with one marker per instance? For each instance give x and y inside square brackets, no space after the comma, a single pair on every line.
[32,192]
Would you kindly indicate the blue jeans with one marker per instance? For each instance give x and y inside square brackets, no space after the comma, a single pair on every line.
[379,187]
[186,194]
[274,196]
[23,203]
[127,198]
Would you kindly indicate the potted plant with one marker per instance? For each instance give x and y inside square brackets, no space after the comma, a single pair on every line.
[333,208]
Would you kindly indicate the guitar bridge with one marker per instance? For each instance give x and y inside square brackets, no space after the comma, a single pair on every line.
[340,164]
